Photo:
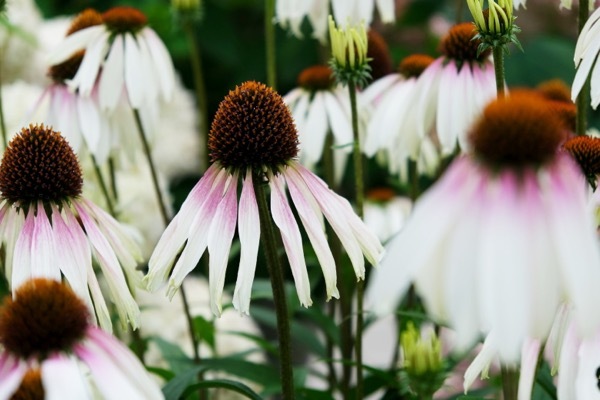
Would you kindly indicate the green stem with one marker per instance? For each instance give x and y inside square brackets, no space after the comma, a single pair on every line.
[498,53]
[165,216]
[583,99]
[459,10]
[199,86]
[113,177]
[275,269]
[103,187]
[360,200]
[270,43]
[510,382]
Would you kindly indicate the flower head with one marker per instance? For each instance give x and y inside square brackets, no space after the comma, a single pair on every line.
[253,138]
[47,336]
[495,24]
[586,151]
[509,220]
[50,230]
[349,48]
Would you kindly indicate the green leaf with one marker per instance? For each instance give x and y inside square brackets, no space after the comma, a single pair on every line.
[175,388]
[263,375]
[178,361]
[205,330]
[223,384]
[259,340]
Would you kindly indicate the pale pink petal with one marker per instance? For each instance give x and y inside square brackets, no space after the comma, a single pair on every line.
[101,314]
[117,373]
[175,235]
[314,229]
[13,227]
[63,379]
[220,235]
[529,361]
[292,240]
[22,254]
[43,245]
[12,371]
[249,233]
[111,80]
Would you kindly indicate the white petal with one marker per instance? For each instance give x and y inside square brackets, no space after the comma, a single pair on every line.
[11,374]
[89,117]
[529,361]
[220,235]
[43,259]
[22,253]
[85,78]
[292,241]
[162,62]
[75,42]
[111,80]
[249,233]
[338,114]
[63,380]
[134,81]
[589,56]
[386,10]
[482,362]
[312,138]
[102,314]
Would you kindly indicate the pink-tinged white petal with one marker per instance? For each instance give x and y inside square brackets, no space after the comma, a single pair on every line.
[426,101]
[134,82]
[90,118]
[102,315]
[575,241]
[22,271]
[220,235]
[109,264]
[312,138]
[75,42]
[290,235]
[175,235]
[556,336]
[162,62]
[314,229]
[75,254]
[504,264]
[529,361]
[12,371]
[85,78]
[481,363]
[43,247]
[374,93]
[198,234]
[63,379]
[111,80]
[13,226]
[117,373]
[429,223]
[249,234]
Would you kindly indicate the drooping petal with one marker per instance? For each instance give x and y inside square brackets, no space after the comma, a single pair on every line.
[114,369]
[338,114]
[249,233]
[22,252]
[314,229]
[292,240]
[43,245]
[63,380]
[111,80]
[75,42]
[101,310]
[313,137]
[162,62]
[529,361]
[481,363]
[86,75]
[220,235]
[386,10]
[12,371]
[90,118]
[567,369]
[134,82]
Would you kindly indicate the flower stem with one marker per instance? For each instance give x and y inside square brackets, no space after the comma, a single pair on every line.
[165,216]
[274,267]
[270,43]
[583,99]
[199,86]
[360,200]
[103,187]
[510,382]
[459,10]
[498,52]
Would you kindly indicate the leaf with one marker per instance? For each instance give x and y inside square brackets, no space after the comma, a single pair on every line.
[178,361]
[205,330]
[175,388]
[223,384]
[261,374]
[259,340]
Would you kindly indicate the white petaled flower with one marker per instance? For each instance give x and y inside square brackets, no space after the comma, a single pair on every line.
[512,218]
[292,13]
[392,127]
[385,213]
[121,55]
[50,230]
[50,347]
[459,70]
[321,108]
[253,138]
[586,54]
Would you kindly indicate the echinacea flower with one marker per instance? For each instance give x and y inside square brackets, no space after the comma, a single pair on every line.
[319,108]
[50,230]
[586,54]
[461,70]
[253,138]
[46,329]
[121,55]
[392,125]
[503,238]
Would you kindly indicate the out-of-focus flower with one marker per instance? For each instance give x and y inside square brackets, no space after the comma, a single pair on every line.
[459,70]
[130,55]
[392,125]
[379,55]
[18,111]
[385,212]
[253,137]
[50,230]
[586,151]
[586,53]
[292,13]
[46,329]
[511,217]
[321,108]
